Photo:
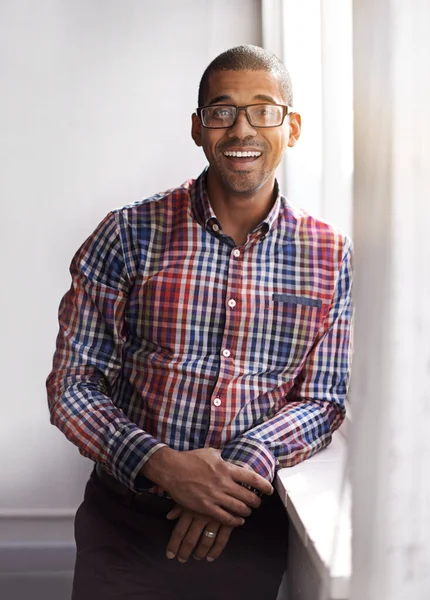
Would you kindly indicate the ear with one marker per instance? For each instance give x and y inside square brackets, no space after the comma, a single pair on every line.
[295,128]
[196,129]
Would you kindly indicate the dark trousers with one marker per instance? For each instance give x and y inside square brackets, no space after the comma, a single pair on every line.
[121,542]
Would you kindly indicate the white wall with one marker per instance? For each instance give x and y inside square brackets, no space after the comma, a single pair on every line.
[95,113]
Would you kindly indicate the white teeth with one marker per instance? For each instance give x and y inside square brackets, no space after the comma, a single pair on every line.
[242,154]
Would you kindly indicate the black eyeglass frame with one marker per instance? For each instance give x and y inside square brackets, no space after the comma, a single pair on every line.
[245,108]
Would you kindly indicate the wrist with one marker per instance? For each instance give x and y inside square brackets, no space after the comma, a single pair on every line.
[158,467]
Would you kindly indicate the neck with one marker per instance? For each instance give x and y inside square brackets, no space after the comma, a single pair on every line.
[239,213]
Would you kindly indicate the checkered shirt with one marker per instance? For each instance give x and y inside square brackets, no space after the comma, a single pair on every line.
[172,335]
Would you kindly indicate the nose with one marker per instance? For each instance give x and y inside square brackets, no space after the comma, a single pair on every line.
[241,128]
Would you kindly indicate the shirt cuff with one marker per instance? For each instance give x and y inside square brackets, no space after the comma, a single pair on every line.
[133,449]
[247,452]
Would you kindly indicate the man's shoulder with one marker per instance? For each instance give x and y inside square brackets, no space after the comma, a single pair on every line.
[171,199]
[313,229]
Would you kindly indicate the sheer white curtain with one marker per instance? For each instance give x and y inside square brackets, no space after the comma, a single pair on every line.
[314,39]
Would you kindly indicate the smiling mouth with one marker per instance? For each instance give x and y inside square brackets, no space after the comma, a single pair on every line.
[250,154]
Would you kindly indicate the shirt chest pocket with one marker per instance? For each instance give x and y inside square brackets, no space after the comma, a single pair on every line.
[291,325]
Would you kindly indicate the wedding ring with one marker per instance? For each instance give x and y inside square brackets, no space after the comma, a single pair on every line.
[209,534]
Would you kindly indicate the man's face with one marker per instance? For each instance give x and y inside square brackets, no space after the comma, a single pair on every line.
[245,175]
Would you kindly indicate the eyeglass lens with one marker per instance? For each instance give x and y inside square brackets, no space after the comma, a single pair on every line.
[259,115]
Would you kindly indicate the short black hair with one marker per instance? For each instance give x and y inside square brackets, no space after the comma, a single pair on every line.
[248,58]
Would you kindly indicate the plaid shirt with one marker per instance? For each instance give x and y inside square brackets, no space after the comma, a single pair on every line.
[172,335]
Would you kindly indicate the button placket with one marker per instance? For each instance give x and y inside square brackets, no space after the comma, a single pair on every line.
[227,350]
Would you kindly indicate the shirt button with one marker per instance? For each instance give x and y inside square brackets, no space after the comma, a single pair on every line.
[215,227]
[236,253]
[217,402]
[232,303]
[226,353]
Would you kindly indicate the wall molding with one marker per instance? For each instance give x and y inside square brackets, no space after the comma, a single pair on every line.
[37,513]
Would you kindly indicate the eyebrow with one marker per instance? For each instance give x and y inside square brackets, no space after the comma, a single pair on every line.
[225,97]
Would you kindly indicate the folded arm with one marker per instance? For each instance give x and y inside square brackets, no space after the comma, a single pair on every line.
[314,407]
[87,362]
[87,359]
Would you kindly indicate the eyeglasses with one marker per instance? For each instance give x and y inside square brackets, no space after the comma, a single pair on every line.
[220,116]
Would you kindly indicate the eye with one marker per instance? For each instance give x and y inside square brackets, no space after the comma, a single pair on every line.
[221,113]
[267,110]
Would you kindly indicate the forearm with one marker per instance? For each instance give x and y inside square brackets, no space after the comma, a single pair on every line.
[297,432]
[101,431]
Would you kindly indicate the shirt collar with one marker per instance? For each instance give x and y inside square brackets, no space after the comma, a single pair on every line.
[200,202]
[205,215]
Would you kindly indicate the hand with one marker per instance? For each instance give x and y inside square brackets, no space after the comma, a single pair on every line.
[201,481]
[188,536]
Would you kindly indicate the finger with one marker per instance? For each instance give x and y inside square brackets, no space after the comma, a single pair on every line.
[221,540]
[250,498]
[228,502]
[206,543]
[191,539]
[174,513]
[178,534]
[235,506]
[221,514]
[244,475]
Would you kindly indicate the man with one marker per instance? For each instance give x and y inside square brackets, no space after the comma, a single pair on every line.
[204,343]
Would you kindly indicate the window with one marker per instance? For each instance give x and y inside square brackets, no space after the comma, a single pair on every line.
[314,39]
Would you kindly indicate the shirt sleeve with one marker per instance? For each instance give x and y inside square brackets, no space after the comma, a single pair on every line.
[87,360]
[315,406]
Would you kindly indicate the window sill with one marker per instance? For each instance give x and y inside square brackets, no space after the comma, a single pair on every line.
[318,501]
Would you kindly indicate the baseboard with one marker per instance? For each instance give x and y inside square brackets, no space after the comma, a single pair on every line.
[36,586]
[20,558]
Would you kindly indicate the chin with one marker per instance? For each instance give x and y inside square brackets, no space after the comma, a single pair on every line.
[245,184]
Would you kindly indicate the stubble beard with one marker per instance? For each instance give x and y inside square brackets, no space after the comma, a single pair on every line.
[243,183]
